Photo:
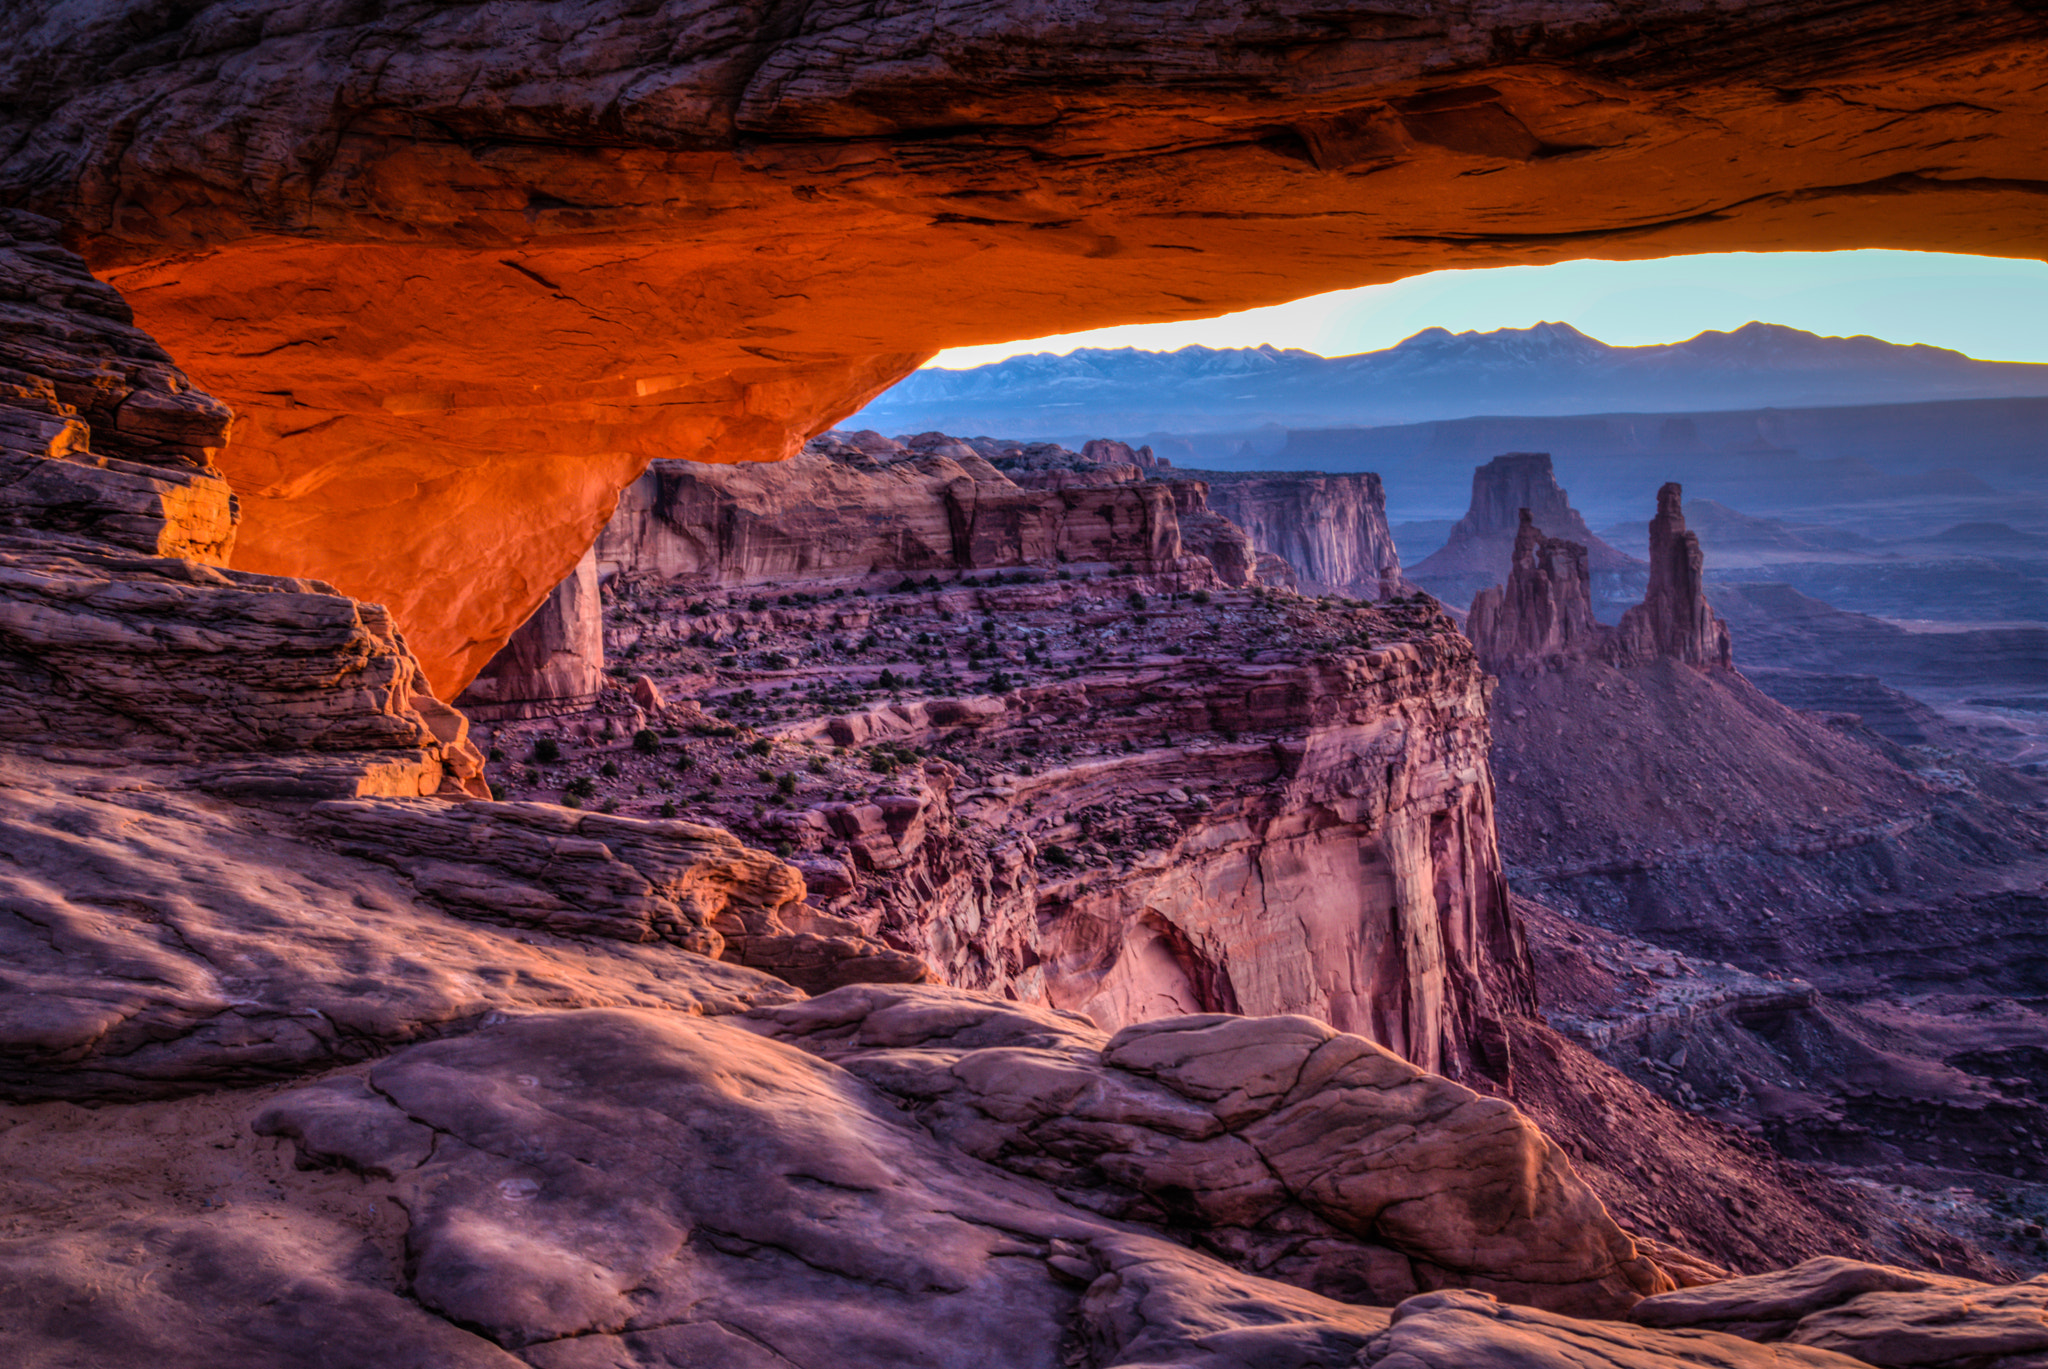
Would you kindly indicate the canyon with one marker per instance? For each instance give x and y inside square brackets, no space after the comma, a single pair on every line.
[1078,948]
[1844,927]
[312,1054]
[1093,765]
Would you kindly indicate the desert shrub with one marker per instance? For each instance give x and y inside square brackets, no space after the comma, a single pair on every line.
[547,750]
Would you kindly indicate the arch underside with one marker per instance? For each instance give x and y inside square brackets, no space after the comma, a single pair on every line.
[461,278]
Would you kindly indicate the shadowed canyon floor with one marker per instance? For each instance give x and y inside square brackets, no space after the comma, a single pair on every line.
[1783,920]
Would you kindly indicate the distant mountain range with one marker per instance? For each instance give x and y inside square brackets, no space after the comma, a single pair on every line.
[1552,368]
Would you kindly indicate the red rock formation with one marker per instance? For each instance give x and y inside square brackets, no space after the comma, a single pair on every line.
[1254,805]
[119,629]
[1674,621]
[840,512]
[1332,529]
[554,663]
[1544,613]
[464,270]
[1482,544]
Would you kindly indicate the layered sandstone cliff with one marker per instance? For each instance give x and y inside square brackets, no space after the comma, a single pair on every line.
[384,1073]
[123,634]
[1148,804]
[1544,612]
[554,663]
[1543,616]
[1761,896]
[844,512]
[1332,529]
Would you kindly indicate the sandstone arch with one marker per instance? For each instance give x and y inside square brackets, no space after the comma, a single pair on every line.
[462,270]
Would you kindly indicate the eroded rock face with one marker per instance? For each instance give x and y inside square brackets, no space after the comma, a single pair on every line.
[1483,545]
[469,189]
[1545,611]
[1543,617]
[121,633]
[1331,529]
[1875,1314]
[1674,621]
[843,512]
[1254,803]
[554,662]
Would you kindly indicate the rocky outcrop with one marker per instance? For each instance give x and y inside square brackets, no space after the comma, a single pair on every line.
[873,1179]
[1799,879]
[1332,529]
[1544,615]
[544,228]
[1874,1314]
[1545,611]
[1674,621]
[122,634]
[554,663]
[382,1073]
[1482,545]
[1148,804]
[844,512]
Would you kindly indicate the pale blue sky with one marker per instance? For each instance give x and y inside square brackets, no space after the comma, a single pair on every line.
[1989,307]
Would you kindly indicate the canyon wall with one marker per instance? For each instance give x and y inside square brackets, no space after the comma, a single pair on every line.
[554,663]
[312,1054]
[1777,918]
[1271,807]
[1332,529]
[462,271]
[837,511]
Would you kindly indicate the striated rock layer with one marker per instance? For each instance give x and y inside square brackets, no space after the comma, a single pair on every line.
[1330,529]
[464,270]
[554,662]
[845,511]
[1693,825]
[1544,612]
[426,1080]
[1152,803]
[121,633]
[1543,617]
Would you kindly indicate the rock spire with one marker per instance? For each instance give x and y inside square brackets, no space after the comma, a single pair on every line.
[1544,613]
[1546,609]
[1674,620]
